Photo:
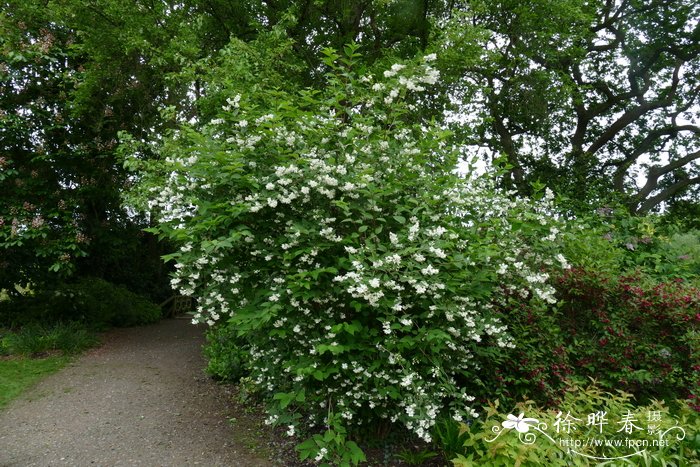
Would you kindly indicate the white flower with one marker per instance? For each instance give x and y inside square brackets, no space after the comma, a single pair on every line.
[393,259]
[437,252]
[235,101]
[321,454]
[436,232]
[431,76]
[564,264]
[519,423]
[430,57]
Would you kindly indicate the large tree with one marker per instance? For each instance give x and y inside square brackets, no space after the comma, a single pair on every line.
[595,97]
[578,94]
[72,76]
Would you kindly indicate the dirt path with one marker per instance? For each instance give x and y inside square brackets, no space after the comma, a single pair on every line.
[140,399]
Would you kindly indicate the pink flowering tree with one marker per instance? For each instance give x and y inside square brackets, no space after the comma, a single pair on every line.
[331,231]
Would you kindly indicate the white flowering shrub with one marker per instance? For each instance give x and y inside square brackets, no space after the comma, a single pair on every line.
[332,233]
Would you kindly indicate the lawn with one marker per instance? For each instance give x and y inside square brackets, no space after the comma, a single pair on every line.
[18,374]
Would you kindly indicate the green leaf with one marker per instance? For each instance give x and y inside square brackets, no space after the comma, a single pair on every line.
[356,454]
[328,436]
[284,398]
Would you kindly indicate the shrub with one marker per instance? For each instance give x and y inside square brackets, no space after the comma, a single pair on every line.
[625,317]
[612,241]
[4,342]
[226,353]
[90,301]
[538,367]
[38,339]
[632,335]
[599,436]
[331,232]
[684,248]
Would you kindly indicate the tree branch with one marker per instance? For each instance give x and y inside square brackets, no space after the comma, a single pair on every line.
[656,172]
[654,201]
[626,119]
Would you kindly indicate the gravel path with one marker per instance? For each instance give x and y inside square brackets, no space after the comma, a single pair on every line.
[139,399]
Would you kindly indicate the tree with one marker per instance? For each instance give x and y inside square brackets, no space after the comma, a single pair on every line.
[587,96]
[39,229]
[72,77]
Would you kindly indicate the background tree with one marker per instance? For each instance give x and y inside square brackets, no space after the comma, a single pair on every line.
[72,77]
[581,95]
[587,96]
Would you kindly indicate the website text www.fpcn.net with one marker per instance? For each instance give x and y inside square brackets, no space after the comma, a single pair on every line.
[601,442]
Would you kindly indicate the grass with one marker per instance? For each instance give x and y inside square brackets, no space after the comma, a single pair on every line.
[18,374]
[38,340]
[35,351]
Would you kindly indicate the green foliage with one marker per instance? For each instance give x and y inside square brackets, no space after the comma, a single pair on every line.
[72,77]
[415,457]
[329,229]
[627,316]
[628,332]
[612,241]
[549,441]
[36,339]
[332,448]
[226,353]
[684,248]
[631,335]
[449,438]
[591,112]
[91,302]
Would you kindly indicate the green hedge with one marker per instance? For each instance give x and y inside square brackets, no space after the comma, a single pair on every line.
[91,301]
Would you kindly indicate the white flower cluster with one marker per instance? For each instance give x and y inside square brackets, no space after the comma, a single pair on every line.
[422,75]
[334,242]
